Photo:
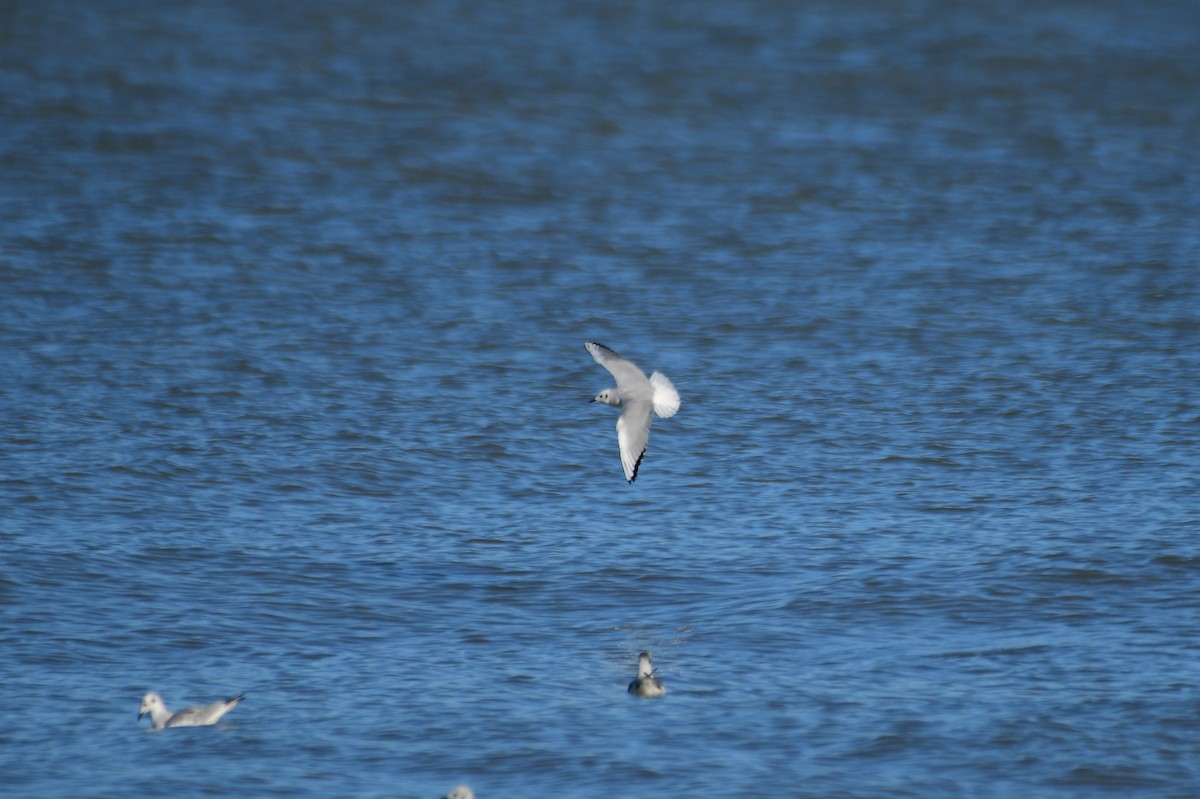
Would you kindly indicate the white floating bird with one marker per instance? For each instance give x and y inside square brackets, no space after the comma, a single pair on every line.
[461,792]
[152,704]
[646,684]
[636,397]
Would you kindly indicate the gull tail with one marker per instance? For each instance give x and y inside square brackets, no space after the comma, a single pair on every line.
[666,398]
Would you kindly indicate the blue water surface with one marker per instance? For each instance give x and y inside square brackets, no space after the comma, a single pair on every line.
[294,400]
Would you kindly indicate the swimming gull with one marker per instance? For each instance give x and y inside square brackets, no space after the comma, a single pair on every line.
[461,792]
[152,704]
[636,397]
[646,684]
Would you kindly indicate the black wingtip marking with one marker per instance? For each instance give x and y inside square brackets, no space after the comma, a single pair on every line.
[603,347]
[637,466]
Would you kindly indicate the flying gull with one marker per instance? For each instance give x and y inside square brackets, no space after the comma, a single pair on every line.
[636,396]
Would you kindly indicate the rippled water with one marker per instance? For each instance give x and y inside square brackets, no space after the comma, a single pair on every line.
[292,306]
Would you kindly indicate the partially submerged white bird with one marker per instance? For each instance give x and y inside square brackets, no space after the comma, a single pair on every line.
[461,792]
[153,706]
[636,396]
[646,684]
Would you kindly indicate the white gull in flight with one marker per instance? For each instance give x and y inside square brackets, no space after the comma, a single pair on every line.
[636,396]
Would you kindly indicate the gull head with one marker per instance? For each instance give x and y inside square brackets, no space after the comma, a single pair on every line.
[609,397]
[645,669]
[150,703]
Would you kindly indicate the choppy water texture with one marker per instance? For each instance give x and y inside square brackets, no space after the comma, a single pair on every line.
[293,299]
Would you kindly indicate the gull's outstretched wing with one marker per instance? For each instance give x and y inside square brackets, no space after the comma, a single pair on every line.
[627,373]
[633,432]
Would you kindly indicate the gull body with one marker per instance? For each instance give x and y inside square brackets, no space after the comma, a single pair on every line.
[200,716]
[637,396]
[646,684]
